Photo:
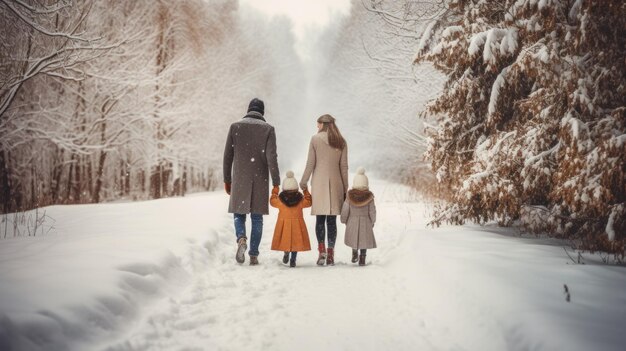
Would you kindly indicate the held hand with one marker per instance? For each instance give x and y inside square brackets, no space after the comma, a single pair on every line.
[227,188]
[275,190]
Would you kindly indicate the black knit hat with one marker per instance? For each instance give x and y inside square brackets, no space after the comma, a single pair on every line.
[257,105]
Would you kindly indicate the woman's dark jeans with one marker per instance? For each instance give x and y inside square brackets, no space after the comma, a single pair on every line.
[321,222]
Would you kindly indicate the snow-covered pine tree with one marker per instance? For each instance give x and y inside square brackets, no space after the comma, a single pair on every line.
[532,119]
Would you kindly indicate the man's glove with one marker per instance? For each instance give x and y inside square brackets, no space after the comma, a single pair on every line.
[227,188]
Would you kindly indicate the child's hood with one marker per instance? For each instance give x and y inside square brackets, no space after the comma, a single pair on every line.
[360,197]
[290,198]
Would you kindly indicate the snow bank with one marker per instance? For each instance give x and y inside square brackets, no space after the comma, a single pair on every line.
[97,272]
[515,287]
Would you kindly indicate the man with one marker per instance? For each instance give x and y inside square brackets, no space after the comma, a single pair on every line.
[250,150]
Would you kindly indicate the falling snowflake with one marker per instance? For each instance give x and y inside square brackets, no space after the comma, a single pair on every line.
[252,159]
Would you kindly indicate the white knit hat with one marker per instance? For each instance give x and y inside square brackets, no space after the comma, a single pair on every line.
[360,180]
[290,182]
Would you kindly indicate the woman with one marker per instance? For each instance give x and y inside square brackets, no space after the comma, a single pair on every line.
[328,162]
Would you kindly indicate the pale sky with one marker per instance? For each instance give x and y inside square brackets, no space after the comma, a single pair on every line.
[306,15]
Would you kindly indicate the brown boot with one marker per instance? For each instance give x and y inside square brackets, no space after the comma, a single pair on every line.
[242,245]
[254,260]
[361,260]
[355,255]
[321,259]
[330,256]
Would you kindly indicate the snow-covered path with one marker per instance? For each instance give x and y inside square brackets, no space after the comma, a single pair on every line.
[161,275]
[345,307]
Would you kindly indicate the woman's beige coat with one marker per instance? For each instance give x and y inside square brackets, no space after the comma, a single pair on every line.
[329,168]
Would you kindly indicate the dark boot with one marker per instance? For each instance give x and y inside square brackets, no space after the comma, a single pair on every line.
[286,257]
[330,256]
[242,246]
[292,261]
[254,260]
[321,259]
[361,260]
[355,255]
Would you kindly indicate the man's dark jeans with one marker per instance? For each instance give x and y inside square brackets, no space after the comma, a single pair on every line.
[255,233]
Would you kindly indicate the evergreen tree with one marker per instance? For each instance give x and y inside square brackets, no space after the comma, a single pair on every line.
[532,119]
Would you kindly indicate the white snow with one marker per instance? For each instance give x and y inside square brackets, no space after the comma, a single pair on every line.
[495,91]
[161,275]
[609,229]
[450,30]
[476,43]
[584,198]
[502,40]
[542,54]
[426,37]
[575,10]
[509,41]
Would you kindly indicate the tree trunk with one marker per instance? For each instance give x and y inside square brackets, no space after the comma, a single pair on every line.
[184,181]
[209,182]
[126,179]
[68,195]
[166,173]
[121,180]
[156,179]
[89,179]
[33,188]
[56,176]
[155,182]
[76,185]
[101,159]
[142,181]
[5,187]
[99,175]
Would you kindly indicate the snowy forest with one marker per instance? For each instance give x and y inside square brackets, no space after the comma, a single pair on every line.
[493,133]
[508,111]
[102,102]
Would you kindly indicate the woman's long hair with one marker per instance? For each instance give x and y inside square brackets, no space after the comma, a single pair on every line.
[335,139]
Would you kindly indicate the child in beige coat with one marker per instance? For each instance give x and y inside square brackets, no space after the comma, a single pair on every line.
[359,215]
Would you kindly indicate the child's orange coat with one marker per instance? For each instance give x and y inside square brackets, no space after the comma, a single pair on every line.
[290,233]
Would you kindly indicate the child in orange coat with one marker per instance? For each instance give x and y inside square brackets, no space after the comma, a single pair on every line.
[290,234]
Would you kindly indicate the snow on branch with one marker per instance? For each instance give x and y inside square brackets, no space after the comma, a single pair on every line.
[41,29]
